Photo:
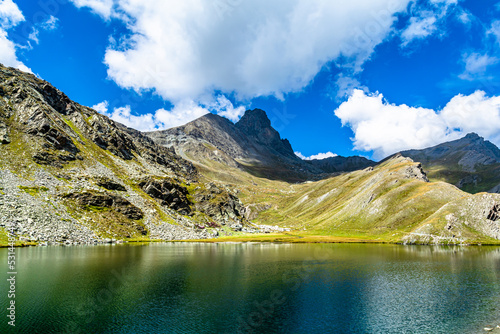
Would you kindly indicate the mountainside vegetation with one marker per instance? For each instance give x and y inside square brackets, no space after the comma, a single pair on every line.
[471,163]
[69,175]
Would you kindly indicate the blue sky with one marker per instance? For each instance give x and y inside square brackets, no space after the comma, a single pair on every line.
[364,77]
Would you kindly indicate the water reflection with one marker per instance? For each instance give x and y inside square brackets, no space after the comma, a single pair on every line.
[217,288]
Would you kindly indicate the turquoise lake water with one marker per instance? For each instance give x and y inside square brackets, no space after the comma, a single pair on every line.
[253,288]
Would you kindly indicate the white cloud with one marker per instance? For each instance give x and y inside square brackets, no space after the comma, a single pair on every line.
[187,49]
[182,113]
[444,2]
[465,17]
[319,156]
[124,115]
[10,16]
[8,53]
[476,65]
[345,85]
[48,25]
[428,20]
[223,107]
[419,28]
[101,107]
[103,8]
[51,23]
[474,113]
[387,128]
[495,30]
[300,155]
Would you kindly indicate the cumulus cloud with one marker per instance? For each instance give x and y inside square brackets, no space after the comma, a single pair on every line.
[103,8]
[10,16]
[474,113]
[386,128]
[182,113]
[223,107]
[124,115]
[101,107]
[185,49]
[319,156]
[161,119]
[8,53]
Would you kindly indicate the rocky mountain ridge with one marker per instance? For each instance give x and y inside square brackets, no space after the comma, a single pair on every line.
[69,175]
[342,164]
[471,163]
[72,175]
[251,144]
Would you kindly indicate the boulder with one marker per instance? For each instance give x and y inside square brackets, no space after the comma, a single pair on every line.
[237,227]
[169,192]
[107,200]
[109,184]
[4,134]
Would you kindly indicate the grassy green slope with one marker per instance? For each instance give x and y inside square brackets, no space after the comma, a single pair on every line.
[382,203]
[385,204]
[450,172]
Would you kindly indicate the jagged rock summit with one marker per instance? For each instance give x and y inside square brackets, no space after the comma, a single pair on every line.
[471,163]
[251,144]
[256,125]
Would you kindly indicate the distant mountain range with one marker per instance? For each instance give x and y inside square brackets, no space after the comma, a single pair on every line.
[470,163]
[251,144]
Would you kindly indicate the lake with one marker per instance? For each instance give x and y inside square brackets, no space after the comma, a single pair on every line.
[254,288]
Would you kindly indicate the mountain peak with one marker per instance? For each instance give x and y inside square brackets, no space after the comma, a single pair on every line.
[256,124]
[473,136]
[253,121]
[471,163]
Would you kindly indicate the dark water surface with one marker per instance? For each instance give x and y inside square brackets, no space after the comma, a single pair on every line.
[259,288]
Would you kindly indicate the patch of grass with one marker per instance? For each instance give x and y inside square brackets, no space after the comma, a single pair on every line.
[33,191]
[4,240]
[290,238]
[96,208]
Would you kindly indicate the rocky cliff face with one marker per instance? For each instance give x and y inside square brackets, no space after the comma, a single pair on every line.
[342,164]
[69,174]
[256,125]
[470,163]
[252,145]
